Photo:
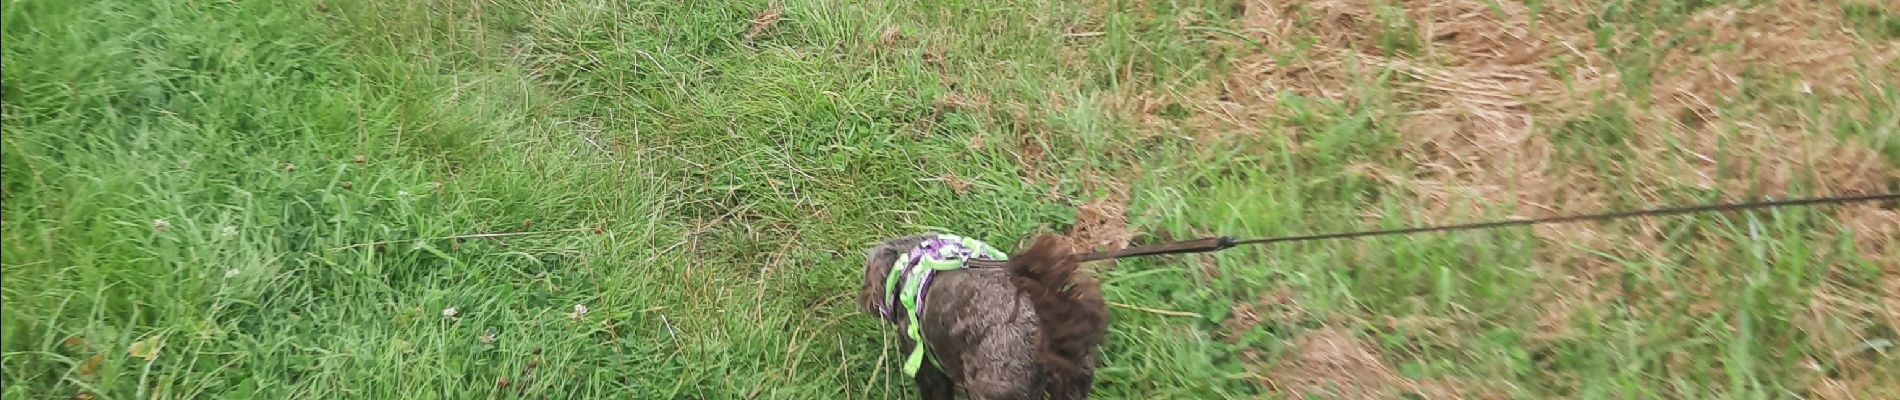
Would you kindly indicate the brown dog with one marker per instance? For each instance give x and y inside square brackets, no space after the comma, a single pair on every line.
[1017,332]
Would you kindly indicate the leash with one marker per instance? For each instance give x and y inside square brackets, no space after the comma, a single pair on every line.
[1212,244]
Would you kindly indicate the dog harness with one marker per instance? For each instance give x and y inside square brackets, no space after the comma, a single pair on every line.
[910,278]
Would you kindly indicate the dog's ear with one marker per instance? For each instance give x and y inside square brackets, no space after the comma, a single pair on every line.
[877,268]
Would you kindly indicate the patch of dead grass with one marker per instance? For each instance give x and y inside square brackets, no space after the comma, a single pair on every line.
[1334,363]
[1841,368]
[1701,134]
[890,36]
[1468,32]
[1248,94]
[764,21]
[1277,306]
[1101,224]
[1472,134]
[1484,96]
[1475,141]
[1767,148]
[1877,234]
[1864,387]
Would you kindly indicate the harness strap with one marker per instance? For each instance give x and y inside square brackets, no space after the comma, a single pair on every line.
[910,279]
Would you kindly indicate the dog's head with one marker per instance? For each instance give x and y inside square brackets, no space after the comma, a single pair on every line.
[877,269]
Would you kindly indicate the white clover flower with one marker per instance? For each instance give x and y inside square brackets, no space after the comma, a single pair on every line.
[450,312]
[230,273]
[580,310]
[161,224]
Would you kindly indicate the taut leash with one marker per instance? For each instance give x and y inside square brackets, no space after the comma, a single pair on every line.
[1212,244]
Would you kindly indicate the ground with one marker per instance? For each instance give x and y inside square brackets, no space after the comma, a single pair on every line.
[512,198]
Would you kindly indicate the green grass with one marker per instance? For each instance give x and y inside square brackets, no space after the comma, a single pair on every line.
[184,175]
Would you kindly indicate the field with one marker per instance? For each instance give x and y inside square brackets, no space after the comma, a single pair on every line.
[303,198]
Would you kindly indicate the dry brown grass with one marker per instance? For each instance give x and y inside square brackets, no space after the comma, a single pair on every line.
[1877,234]
[1483,100]
[1772,150]
[1777,144]
[1843,368]
[1472,132]
[1278,306]
[764,21]
[1478,132]
[1332,361]
[1335,363]
[1102,223]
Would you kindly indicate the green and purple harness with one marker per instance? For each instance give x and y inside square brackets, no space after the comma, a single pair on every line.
[913,271]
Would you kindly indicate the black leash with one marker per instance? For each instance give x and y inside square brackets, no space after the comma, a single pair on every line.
[1204,245]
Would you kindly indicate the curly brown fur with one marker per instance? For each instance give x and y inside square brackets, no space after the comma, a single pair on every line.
[1018,332]
[1074,317]
[877,267]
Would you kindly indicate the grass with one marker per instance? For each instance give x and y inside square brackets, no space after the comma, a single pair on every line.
[266,199]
